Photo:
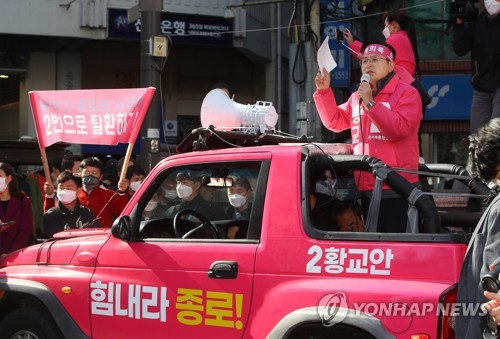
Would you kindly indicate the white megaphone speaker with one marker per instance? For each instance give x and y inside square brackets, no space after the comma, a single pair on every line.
[223,113]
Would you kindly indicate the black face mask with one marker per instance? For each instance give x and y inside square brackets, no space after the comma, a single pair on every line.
[90,182]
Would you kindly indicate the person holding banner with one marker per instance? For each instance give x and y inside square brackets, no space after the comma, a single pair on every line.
[106,204]
[68,213]
[135,175]
[70,162]
[97,117]
[15,210]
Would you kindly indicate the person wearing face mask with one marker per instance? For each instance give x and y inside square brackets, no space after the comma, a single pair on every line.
[70,162]
[15,208]
[168,193]
[164,198]
[239,195]
[68,214]
[484,245]
[106,204]
[153,209]
[188,186]
[481,38]
[135,175]
[384,116]
[399,32]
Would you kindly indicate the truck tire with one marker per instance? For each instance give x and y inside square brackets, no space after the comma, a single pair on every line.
[29,323]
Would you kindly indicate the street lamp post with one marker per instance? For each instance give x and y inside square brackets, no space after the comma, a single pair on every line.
[150,11]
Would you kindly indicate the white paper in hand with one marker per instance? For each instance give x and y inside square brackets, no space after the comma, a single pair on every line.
[325,58]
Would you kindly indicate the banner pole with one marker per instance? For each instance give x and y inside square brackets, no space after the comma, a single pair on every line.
[126,160]
[45,163]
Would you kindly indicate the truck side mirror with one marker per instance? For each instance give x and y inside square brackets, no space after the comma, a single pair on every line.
[122,228]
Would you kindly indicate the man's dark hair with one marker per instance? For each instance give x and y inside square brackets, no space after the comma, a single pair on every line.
[484,151]
[66,175]
[68,160]
[243,182]
[119,163]
[134,169]
[92,161]
[345,205]
[187,175]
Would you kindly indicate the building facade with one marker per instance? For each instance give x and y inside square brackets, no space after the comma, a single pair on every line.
[265,50]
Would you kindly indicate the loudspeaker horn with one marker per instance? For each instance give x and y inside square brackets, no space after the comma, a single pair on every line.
[223,113]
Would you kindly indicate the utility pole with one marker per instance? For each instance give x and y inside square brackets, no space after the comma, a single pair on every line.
[150,11]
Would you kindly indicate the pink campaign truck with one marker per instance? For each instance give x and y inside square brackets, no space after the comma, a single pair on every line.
[171,269]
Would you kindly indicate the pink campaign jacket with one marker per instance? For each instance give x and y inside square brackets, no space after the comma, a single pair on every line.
[388,131]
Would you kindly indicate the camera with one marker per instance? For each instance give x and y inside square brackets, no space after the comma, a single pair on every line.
[490,281]
[339,35]
[464,9]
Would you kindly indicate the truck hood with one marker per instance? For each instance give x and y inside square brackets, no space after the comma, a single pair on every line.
[66,248]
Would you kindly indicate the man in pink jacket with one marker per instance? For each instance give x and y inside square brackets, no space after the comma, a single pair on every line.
[383,115]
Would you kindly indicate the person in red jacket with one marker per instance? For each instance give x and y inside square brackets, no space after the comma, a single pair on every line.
[106,204]
[384,116]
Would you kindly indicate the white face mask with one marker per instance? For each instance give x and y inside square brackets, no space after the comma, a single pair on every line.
[492,6]
[170,194]
[66,196]
[134,186]
[3,185]
[386,33]
[184,191]
[237,200]
[151,206]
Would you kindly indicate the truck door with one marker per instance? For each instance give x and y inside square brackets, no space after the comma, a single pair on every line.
[159,285]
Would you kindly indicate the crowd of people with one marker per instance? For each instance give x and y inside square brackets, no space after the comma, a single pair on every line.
[86,193]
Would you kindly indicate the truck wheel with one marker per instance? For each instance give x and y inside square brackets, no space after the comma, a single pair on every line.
[29,323]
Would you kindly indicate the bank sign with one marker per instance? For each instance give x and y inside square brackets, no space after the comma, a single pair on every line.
[181,28]
[451,97]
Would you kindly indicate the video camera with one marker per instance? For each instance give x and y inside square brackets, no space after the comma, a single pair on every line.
[463,9]
[490,281]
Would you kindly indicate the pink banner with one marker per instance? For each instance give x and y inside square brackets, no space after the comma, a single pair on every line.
[98,116]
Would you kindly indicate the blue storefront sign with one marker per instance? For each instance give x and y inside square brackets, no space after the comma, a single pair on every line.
[451,97]
[341,75]
[181,28]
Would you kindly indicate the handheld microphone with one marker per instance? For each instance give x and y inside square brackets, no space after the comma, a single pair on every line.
[364,78]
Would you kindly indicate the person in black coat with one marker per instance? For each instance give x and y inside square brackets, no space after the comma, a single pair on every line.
[484,246]
[188,189]
[239,195]
[480,37]
[68,214]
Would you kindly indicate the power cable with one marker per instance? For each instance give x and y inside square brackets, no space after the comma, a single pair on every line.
[309,24]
